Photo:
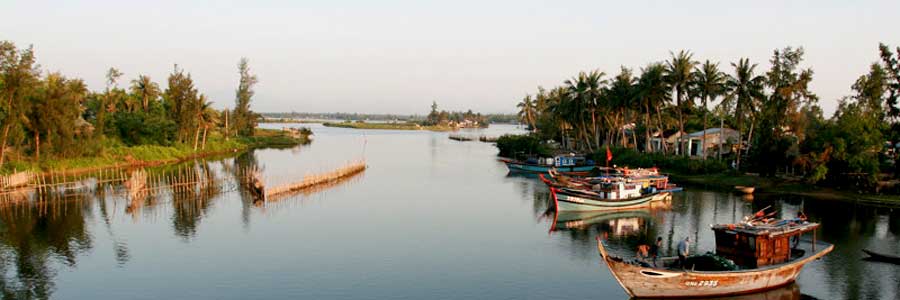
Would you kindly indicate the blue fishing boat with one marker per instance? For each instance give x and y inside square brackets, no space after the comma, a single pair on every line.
[562,163]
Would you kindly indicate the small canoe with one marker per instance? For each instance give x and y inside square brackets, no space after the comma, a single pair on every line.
[746,190]
[882,257]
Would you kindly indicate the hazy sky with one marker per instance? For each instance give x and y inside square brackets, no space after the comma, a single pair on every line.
[397,56]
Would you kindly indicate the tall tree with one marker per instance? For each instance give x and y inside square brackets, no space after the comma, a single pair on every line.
[181,100]
[744,89]
[145,89]
[244,118]
[527,112]
[585,92]
[710,84]
[678,74]
[18,75]
[781,122]
[654,92]
[622,101]
[892,68]
[53,112]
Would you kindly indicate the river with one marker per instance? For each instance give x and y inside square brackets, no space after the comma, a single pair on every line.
[431,218]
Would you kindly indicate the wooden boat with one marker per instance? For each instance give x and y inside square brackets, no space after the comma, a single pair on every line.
[882,257]
[561,163]
[747,190]
[566,199]
[763,253]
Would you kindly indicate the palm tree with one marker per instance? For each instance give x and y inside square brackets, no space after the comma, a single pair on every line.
[653,92]
[559,107]
[145,89]
[744,88]
[678,74]
[202,105]
[527,111]
[710,84]
[621,99]
[585,91]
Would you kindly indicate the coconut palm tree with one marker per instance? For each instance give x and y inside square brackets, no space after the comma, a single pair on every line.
[202,105]
[622,101]
[559,106]
[145,89]
[653,92]
[527,111]
[710,84]
[744,89]
[678,74]
[585,91]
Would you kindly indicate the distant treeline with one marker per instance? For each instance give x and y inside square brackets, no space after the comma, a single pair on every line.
[491,118]
[49,115]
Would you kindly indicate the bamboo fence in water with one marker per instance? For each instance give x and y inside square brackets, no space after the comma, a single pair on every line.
[315,180]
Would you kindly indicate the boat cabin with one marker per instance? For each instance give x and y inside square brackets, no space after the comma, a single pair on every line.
[759,245]
[617,190]
[569,160]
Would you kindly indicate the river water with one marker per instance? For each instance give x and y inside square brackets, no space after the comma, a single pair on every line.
[431,218]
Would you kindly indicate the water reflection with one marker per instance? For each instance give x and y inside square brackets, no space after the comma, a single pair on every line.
[36,235]
[841,274]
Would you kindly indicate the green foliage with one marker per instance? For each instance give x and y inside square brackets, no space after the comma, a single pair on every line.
[55,122]
[142,128]
[623,157]
[522,146]
[245,120]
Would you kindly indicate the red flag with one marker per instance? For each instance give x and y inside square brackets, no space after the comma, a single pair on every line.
[608,154]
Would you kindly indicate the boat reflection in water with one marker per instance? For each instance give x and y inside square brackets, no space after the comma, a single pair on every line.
[618,223]
[787,292]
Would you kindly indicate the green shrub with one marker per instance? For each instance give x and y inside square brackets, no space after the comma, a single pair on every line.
[668,163]
[518,146]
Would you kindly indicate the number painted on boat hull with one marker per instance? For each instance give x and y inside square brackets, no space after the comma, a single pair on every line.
[702,283]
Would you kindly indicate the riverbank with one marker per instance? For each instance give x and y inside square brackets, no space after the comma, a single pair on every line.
[389,126]
[764,186]
[290,121]
[122,156]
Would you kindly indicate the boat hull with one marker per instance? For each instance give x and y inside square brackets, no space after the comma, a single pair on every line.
[570,202]
[642,282]
[530,168]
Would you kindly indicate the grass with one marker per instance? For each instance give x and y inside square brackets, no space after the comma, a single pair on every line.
[389,126]
[114,154]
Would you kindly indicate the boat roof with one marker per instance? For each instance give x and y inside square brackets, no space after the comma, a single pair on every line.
[775,228]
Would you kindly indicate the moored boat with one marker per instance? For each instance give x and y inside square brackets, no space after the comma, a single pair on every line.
[563,163]
[762,254]
[566,199]
[882,257]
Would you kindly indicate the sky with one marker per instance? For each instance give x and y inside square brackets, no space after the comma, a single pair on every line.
[392,56]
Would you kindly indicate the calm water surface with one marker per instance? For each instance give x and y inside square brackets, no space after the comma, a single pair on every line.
[431,218]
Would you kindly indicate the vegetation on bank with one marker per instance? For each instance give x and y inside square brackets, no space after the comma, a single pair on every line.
[522,146]
[53,122]
[389,126]
[781,130]
[113,153]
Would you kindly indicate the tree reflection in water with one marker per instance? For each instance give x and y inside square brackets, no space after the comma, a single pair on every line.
[37,234]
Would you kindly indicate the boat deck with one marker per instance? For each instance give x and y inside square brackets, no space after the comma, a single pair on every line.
[808,249]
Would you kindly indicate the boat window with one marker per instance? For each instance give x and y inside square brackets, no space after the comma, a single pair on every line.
[650,273]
